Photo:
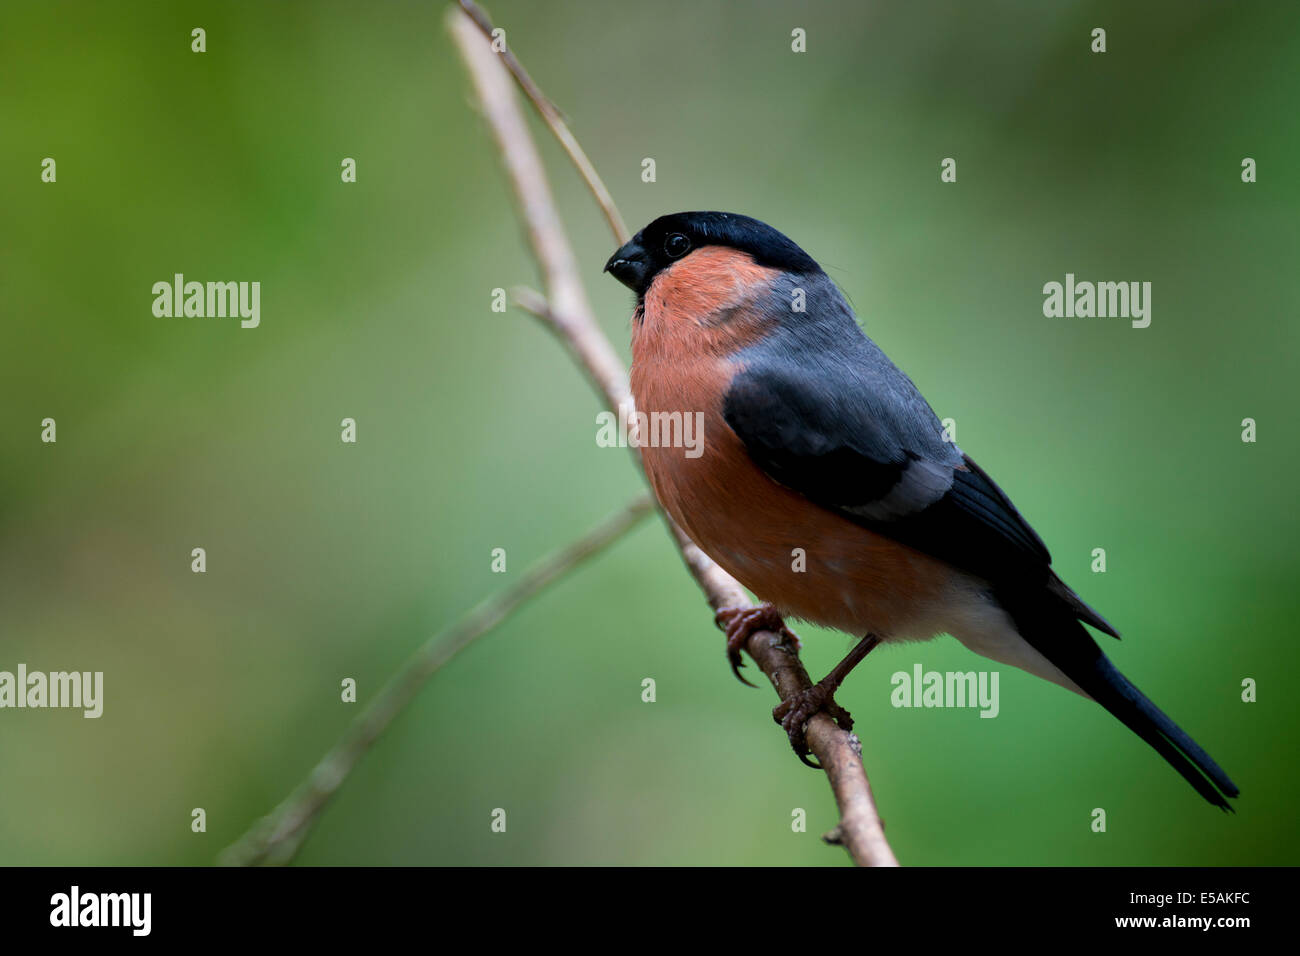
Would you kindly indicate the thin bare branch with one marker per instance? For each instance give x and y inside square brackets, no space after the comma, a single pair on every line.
[276,838]
[558,124]
[567,312]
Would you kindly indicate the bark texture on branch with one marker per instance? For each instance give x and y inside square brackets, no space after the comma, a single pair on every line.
[566,310]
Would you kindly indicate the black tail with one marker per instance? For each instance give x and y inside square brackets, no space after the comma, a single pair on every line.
[1060,638]
[1108,687]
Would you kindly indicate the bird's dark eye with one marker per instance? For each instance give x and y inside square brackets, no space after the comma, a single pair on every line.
[676,245]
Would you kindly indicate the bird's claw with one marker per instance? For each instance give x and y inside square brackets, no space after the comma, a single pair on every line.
[740,623]
[794,712]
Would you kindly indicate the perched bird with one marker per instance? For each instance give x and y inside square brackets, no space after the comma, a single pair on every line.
[814,440]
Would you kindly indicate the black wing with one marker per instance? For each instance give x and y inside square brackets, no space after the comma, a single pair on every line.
[859,439]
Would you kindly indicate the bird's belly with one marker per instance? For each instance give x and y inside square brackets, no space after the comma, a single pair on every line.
[809,562]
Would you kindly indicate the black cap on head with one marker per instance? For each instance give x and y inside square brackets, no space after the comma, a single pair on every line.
[673,237]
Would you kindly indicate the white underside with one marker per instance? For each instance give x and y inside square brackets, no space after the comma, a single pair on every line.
[970,614]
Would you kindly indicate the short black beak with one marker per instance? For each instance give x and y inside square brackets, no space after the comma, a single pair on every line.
[630,266]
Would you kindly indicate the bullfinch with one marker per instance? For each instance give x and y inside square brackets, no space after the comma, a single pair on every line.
[815,444]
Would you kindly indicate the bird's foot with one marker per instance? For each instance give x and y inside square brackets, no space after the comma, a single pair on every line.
[795,711]
[740,623]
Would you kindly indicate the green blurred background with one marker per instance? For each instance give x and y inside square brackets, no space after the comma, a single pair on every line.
[328,560]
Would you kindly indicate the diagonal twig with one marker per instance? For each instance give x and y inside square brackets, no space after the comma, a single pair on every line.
[566,310]
[276,838]
[556,121]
